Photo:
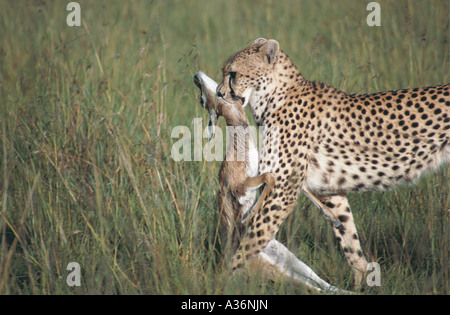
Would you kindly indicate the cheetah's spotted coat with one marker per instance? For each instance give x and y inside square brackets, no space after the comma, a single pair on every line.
[331,141]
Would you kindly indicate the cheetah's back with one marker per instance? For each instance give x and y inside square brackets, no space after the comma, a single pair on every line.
[374,141]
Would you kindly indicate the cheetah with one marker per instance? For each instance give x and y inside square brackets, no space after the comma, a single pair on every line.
[331,142]
[238,182]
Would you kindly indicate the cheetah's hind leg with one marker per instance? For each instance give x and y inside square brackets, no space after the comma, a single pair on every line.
[348,239]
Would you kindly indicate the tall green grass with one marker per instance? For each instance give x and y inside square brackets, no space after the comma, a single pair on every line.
[86,115]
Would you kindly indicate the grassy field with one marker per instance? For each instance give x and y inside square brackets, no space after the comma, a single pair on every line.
[86,115]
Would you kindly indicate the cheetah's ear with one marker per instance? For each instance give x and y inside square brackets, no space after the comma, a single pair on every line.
[270,50]
[259,41]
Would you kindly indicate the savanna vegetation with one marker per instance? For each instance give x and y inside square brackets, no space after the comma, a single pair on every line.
[86,115]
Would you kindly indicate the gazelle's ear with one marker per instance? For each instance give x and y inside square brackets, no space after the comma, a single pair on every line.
[259,41]
[270,51]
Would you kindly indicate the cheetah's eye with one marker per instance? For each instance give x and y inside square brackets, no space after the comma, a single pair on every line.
[232,77]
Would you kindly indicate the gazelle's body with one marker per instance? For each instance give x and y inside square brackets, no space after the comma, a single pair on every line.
[238,175]
[238,185]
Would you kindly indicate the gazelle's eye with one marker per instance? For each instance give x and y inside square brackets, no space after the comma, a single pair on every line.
[232,77]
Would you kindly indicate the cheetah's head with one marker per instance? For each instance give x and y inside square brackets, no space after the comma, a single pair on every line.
[246,72]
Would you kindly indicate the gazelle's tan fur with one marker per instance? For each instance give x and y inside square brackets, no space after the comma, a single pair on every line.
[238,178]
[238,184]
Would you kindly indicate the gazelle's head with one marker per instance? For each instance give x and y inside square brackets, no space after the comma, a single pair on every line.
[208,89]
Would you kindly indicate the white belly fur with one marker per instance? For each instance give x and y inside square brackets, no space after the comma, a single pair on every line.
[249,199]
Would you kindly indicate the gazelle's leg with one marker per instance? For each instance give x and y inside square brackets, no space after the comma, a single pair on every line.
[284,263]
[256,182]
[348,238]
[326,211]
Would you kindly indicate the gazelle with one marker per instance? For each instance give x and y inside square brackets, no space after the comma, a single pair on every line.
[238,183]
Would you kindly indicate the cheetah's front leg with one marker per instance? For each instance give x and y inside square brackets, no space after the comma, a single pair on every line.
[265,223]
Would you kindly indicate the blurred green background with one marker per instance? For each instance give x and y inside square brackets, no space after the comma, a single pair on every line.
[86,115]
